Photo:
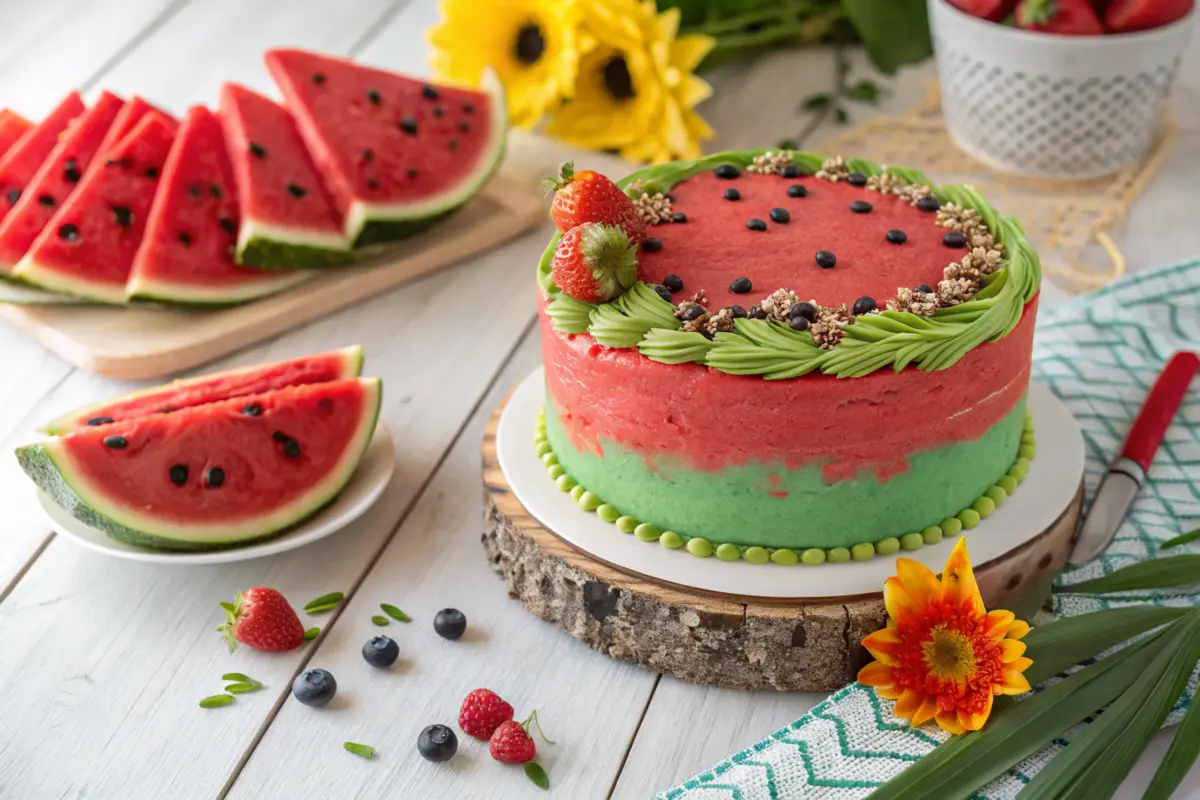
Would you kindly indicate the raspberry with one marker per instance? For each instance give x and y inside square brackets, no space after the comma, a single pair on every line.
[512,744]
[482,713]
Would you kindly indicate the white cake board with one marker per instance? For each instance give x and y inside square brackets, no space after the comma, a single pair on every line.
[1052,484]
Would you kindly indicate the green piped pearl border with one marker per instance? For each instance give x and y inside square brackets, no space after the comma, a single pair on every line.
[966,519]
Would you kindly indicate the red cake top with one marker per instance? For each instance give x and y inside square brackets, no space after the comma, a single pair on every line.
[759,227]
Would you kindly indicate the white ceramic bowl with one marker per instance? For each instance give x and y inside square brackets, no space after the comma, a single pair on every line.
[1048,106]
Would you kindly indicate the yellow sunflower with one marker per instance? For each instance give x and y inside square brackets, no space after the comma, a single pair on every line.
[532,44]
[636,92]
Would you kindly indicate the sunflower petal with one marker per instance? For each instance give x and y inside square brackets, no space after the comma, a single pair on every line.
[997,623]
[1011,650]
[948,721]
[926,712]
[889,692]
[1018,629]
[959,578]
[688,51]
[876,674]
[909,703]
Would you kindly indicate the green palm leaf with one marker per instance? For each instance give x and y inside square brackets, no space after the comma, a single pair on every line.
[1160,573]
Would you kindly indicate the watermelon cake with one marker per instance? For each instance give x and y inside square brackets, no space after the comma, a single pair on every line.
[817,359]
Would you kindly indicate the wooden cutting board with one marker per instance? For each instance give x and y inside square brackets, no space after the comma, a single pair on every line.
[146,342]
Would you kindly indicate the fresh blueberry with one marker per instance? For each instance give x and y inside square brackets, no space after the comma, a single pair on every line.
[382,651]
[826,259]
[756,224]
[450,623]
[798,324]
[896,236]
[437,743]
[780,215]
[740,285]
[314,688]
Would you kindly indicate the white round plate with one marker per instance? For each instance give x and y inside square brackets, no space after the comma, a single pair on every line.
[1053,480]
[364,488]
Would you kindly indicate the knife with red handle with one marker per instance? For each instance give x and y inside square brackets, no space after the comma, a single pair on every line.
[1127,474]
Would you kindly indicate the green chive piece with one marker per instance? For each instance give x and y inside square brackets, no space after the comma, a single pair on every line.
[237,676]
[314,610]
[311,634]
[1183,538]
[535,773]
[216,701]
[364,750]
[243,688]
[324,602]
[380,620]
[395,613]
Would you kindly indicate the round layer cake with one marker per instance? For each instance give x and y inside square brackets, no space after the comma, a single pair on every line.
[840,369]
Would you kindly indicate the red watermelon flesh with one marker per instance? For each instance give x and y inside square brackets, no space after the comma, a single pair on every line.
[319,368]
[55,179]
[288,219]
[127,119]
[22,160]
[87,249]
[213,475]
[12,127]
[397,153]
[186,256]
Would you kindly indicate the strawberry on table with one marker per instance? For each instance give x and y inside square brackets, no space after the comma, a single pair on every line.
[1064,17]
[1126,16]
[263,619]
[482,713]
[993,10]
[595,262]
[588,196]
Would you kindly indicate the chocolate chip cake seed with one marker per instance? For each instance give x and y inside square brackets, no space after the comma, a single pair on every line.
[896,236]
[663,292]
[803,309]
[252,410]
[738,312]
[856,179]
[732,194]
[861,207]
[780,215]
[68,232]
[954,239]
[756,224]
[825,259]
[678,217]
[798,324]
[652,245]
[94,421]
[741,285]
[925,288]
[693,312]
[790,171]
[178,474]
[929,203]
[797,190]
[115,442]
[864,305]
[214,477]
[674,283]
[727,172]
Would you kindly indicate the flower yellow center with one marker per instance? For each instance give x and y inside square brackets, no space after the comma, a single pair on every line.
[949,655]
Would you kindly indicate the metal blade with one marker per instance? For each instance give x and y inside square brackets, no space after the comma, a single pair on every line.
[1113,500]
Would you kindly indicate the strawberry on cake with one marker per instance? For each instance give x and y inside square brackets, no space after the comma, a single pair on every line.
[778,357]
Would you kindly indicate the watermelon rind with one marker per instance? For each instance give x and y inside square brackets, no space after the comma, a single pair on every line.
[271,247]
[370,224]
[352,364]
[14,294]
[74,286]
[190,295]
[48,464]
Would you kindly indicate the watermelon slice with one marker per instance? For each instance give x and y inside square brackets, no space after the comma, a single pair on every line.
[288,219]
[22,160]
[55,180]
[87,248]
[212,476]
[128,118]
[187,254]
[12,127]
[320,368]
[397,154]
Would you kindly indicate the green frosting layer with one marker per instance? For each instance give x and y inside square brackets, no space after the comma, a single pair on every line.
[1012,434]
[642,319]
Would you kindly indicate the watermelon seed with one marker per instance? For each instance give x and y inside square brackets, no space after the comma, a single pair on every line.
[214,477]
[252,410]
[740,285]
[13,196]
[94,421]
[438,112]
[178,474]
[325,404]
[468,108]
[372,183]
[115,442]
[454,144]
[464,126]
[412,172]
[151,172]
[68,232]
[756,224]
[280,437]
[296,191]
[194,191]
[184,238]
[291,448]
[318,78]
[71,171]
[860,207]
[257,150]
[214,190]
[227,225]
[429,92]
[826,259]
[374,97]
[123,216]
[368,155]
[46,200]
[797,190]
[409,126]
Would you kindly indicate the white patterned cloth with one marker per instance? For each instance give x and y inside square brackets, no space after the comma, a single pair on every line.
[1099,353]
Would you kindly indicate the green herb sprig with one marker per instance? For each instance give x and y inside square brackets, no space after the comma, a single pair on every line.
[216,701]
[364,750]
[326,602]
[537,774]
[395,613]
[380,620]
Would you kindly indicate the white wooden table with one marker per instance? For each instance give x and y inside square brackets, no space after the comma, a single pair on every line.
[102,661]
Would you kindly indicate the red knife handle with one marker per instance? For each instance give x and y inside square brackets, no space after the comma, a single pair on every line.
[1163,401]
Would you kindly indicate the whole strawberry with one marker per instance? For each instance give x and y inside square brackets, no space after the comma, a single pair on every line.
[512,744]
[595,262]
[588,196]
[482,712]
[1064,17]
[262,618]
[1126,16]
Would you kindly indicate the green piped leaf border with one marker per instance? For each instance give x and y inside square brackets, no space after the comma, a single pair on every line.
[642,319]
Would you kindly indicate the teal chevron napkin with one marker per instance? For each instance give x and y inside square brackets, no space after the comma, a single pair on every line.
[1099,354]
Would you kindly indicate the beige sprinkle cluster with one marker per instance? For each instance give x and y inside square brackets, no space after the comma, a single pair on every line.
[770,162]
[834,170]
[778,304]
[654,209]
[963,278]
[885,183]
[827,330]
[720,322]
[923,304]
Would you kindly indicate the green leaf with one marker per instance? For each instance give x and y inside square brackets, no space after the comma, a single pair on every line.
[895,33]
[243,688]
[535,773]
[1157,574]
[395,613]
[237,676]
[1180,757]
[364,750]
[323,603]
[380,620]
[815,102]
[311,634]
[1183,538]
[216,701]
[864,92]
[228,607]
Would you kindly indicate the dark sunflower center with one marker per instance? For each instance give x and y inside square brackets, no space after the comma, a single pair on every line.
[617,79]
[530,44]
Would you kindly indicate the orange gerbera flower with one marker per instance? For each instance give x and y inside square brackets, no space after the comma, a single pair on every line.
[943,656]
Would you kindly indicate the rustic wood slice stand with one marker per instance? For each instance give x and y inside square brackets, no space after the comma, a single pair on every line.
[705,637]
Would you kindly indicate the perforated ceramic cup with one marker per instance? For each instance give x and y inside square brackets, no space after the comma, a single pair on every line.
[1050,106]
